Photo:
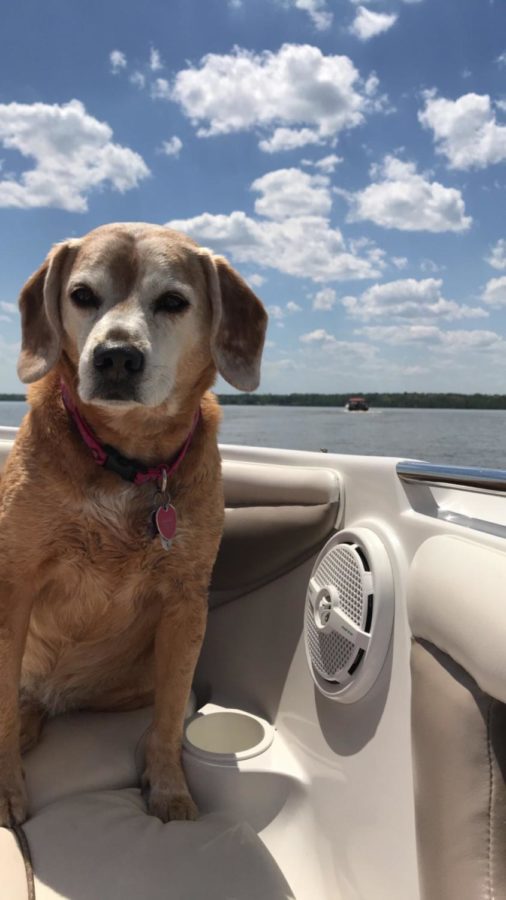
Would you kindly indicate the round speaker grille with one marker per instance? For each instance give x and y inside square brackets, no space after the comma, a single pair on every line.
[332,653]
[349,614]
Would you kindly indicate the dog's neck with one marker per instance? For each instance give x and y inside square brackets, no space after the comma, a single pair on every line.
[148,434]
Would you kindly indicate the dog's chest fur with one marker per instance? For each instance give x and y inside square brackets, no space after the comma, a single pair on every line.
[100,598]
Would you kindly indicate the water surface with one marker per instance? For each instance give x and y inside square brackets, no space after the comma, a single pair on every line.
[458,436]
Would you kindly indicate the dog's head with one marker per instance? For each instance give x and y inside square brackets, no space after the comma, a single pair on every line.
[142,312]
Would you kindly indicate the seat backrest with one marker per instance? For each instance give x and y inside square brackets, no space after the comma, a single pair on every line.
[456,601]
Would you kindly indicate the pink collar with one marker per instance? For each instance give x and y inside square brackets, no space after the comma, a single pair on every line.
[105,455]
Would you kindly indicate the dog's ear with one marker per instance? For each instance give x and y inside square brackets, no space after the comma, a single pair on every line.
[238,324]
[39,305]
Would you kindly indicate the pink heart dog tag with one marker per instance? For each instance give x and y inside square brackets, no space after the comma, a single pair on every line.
[166,524]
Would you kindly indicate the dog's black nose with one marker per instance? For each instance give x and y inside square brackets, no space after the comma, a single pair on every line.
[118,360]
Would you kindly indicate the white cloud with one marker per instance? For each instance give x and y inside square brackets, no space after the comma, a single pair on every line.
[408,298]
[497,258]
[297,86]
[367,24]
[255,280]
[400,262]
[325,299]
[344,351]
[293,235]
[274,366]
[292,192]
[278,313]
[357,2]
[172,147]
[160,89]
[326,164]
[501,59]
[302,246]
[155,60]
[317,10]
[73,154]
[495,292]
[407,200]
[430,267]
[289,139]
[10,308]
[138,79]
[314,337]
[400,334]
[118,61]
[451,341]
[465,130]
[455,341]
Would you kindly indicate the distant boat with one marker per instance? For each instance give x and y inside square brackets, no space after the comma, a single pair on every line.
[357,404]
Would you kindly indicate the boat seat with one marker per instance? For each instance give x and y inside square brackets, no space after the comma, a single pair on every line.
[458,664]
[90,836]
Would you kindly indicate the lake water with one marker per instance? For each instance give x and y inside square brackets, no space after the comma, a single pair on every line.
[461,437]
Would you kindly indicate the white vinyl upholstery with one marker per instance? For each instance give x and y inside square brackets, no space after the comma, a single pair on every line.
[90,836]
[85,751]
[103,845]
[457,601]
[257,484]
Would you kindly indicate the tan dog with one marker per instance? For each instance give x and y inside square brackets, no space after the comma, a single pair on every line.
[94,612]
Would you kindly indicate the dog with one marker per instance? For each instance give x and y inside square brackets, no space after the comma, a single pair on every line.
[111,501]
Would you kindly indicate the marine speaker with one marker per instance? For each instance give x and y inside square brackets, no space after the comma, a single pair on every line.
[349,614]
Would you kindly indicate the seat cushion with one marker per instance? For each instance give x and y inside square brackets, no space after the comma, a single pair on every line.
[85,751]
[88,751]
[103,844]
[459,749]
[90,835]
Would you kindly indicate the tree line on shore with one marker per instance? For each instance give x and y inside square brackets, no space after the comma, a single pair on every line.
[406,400]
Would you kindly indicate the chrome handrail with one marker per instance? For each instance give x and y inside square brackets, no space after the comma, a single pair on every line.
[462,478]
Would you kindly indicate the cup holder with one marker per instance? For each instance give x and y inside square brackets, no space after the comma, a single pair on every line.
[234,766]
[226,735]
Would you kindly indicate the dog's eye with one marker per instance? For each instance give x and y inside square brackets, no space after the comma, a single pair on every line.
[170,303]
[84,298]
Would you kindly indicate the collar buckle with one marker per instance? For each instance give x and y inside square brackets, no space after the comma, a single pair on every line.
[126,468]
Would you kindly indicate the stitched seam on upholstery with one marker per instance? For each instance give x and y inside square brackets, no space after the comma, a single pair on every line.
[24,848]
[490,834]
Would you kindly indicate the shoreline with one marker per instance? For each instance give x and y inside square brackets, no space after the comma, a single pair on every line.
[390,400]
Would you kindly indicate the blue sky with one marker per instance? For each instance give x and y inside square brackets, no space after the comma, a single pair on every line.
[348,158]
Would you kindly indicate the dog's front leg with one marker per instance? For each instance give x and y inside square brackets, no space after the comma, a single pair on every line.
[177,646]
[14,615]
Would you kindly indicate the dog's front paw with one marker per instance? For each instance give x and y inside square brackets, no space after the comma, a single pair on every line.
[170,806]
[13,801]
[167,794]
